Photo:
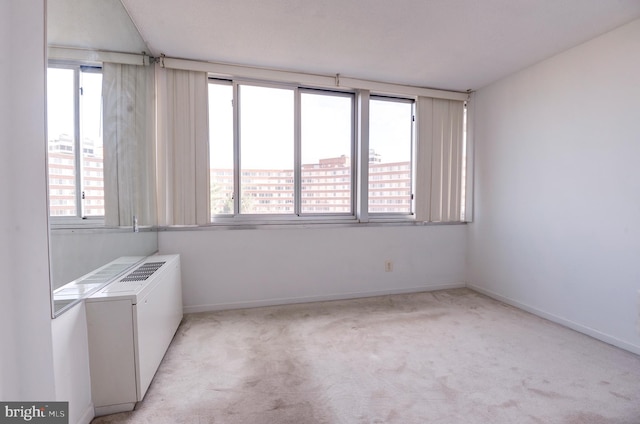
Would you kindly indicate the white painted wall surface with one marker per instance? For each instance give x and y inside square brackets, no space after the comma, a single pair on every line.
[26,346]
[255,267]
[557,195]
[8,353]
[38,356]
[71,363]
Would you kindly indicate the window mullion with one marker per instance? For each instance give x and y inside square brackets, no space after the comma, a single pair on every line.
[297,158]
[76,144]
[355,165]
[362,180]
[413,159]
[236,149]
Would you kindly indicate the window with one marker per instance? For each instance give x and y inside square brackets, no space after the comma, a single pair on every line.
[74,126]
[390,155]
[326,150]
[266,147]
[221,167]
[288,153]
[273,147]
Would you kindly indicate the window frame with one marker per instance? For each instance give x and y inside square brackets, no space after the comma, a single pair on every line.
[297,216]
[237,109]
[79,219]
[352,153]
[396,216]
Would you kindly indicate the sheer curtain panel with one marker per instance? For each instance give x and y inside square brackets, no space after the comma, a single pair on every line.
[129,145]
[182,147]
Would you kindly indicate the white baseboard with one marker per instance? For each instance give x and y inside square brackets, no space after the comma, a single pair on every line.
[114,409]
[87,415]
[560,320]
[319,298]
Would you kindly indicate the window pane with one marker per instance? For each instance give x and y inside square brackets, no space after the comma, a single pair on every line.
[266,150]
[61,141]
[326,148]
[91,143]
[221,148]
[390,141]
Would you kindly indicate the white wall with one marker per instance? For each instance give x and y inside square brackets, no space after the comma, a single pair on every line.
[557,196]
[36,353]
[254,267]
[71,363]
[7,352]
[26,346]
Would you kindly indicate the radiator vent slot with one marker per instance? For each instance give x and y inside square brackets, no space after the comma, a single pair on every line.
[143,272]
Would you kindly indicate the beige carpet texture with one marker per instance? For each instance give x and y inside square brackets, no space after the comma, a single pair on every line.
[449,357]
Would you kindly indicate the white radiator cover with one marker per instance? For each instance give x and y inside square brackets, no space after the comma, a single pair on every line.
[131,323]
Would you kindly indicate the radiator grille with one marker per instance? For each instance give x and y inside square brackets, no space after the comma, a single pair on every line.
[143,272]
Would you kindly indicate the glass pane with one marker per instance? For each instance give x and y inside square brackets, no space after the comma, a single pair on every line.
[326,147]
[390,140]
[91,143]
[61,142]
[266,150]
[221,148]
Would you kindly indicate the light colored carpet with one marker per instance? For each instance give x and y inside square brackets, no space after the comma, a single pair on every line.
[449,357]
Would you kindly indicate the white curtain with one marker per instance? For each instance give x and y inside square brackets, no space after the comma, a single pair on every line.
[182,147]
[128,140]
[439,160]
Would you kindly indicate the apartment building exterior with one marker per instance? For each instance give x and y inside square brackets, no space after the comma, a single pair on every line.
[326,185]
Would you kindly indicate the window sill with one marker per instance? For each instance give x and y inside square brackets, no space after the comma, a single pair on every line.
[92,224]
[70,221]
[272,225]
[96,228]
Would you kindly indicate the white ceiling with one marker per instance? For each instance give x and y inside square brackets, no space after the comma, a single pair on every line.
[446,44]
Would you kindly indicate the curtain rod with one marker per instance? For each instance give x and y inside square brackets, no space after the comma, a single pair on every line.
[97,55]
[226,70]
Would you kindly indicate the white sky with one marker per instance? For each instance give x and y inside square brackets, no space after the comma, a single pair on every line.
[390,126]
[267,127]
[60,104]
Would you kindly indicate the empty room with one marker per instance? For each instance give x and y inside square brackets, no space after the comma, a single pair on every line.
[320,212]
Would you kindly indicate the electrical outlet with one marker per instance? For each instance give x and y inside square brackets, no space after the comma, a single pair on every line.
[388,266]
